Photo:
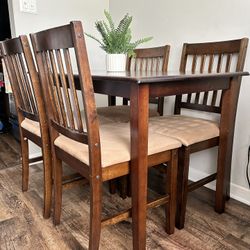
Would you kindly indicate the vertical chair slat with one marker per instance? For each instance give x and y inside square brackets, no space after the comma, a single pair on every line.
[228,63]
[76,108]
[28,84]
[205,98]
[136,62]
[214,97]
[54,75]
[157,64]
[219,64]
[22,82]
[194,63]
[52,95]
[69,113]
[151,64]
[134,69]
[202,65]
[21,90]
[211,63]
[146,65]
[197,97]
[218,70]
[9,66]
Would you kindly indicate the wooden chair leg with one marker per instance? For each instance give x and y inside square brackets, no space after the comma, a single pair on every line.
[171,180]
[47,168]
[57,164]
[123,186]
[228,193]
[223,179]
[25,163]
[95,213]
[182,186]
[112,186]
[221,192]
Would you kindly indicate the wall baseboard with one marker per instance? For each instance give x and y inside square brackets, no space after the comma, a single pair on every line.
[237,192]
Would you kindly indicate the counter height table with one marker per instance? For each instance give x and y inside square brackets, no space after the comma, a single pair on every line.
[138,87]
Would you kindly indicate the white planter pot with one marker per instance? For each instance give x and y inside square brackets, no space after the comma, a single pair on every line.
[116,62]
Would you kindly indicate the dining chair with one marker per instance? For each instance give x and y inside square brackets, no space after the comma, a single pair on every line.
[32,120]
[99,153]
[147,59]
[198,134]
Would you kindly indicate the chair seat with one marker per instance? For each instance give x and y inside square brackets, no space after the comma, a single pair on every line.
[31,126]
[188,130]
[34,127]
[115,144]
[120,113]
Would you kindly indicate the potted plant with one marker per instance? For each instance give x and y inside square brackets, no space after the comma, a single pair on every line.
[116,41]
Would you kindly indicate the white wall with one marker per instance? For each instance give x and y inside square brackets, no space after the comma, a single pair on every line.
[52,13]
[175,22]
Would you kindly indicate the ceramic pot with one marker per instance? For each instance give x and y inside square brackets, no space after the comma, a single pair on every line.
[116,62]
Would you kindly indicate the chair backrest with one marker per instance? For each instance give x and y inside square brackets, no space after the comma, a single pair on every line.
[60,53]
[148,59]
[24,79]
[209,57]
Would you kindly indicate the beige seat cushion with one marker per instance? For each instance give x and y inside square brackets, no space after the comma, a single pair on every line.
[34,127]
[31,126]
[115,144]
[120,113]
[188,130]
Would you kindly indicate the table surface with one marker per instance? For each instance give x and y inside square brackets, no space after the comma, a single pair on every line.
[154,76]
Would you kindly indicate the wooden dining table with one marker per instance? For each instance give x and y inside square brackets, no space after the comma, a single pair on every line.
[138,87]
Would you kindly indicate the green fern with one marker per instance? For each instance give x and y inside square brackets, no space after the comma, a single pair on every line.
[116,40]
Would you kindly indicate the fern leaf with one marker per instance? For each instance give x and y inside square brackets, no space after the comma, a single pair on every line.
[106,27]
[96,39]
[124,24]
[110,20]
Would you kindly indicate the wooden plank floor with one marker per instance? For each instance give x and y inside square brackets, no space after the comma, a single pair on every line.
[23,227]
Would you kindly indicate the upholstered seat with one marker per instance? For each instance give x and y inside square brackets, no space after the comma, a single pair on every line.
[31,126]
[188,130]
[120,113]
[34,127]
[115,144]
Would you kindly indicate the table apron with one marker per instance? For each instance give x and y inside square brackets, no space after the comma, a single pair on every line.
[186,87]
[116,88]
[122,89]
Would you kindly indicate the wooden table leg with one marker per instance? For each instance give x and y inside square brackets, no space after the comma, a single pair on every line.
[139,146]
[229,99]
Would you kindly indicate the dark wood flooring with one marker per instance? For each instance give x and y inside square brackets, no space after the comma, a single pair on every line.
[23,227]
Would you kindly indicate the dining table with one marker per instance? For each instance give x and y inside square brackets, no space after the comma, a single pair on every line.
[138,87]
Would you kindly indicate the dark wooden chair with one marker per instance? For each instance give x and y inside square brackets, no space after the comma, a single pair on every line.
[97,153]
[199,134]
[148,59]
[24,80]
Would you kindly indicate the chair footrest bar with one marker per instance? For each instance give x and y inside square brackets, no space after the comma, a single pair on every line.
[127,213]
[72,180]
[202,182]
[36,159]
